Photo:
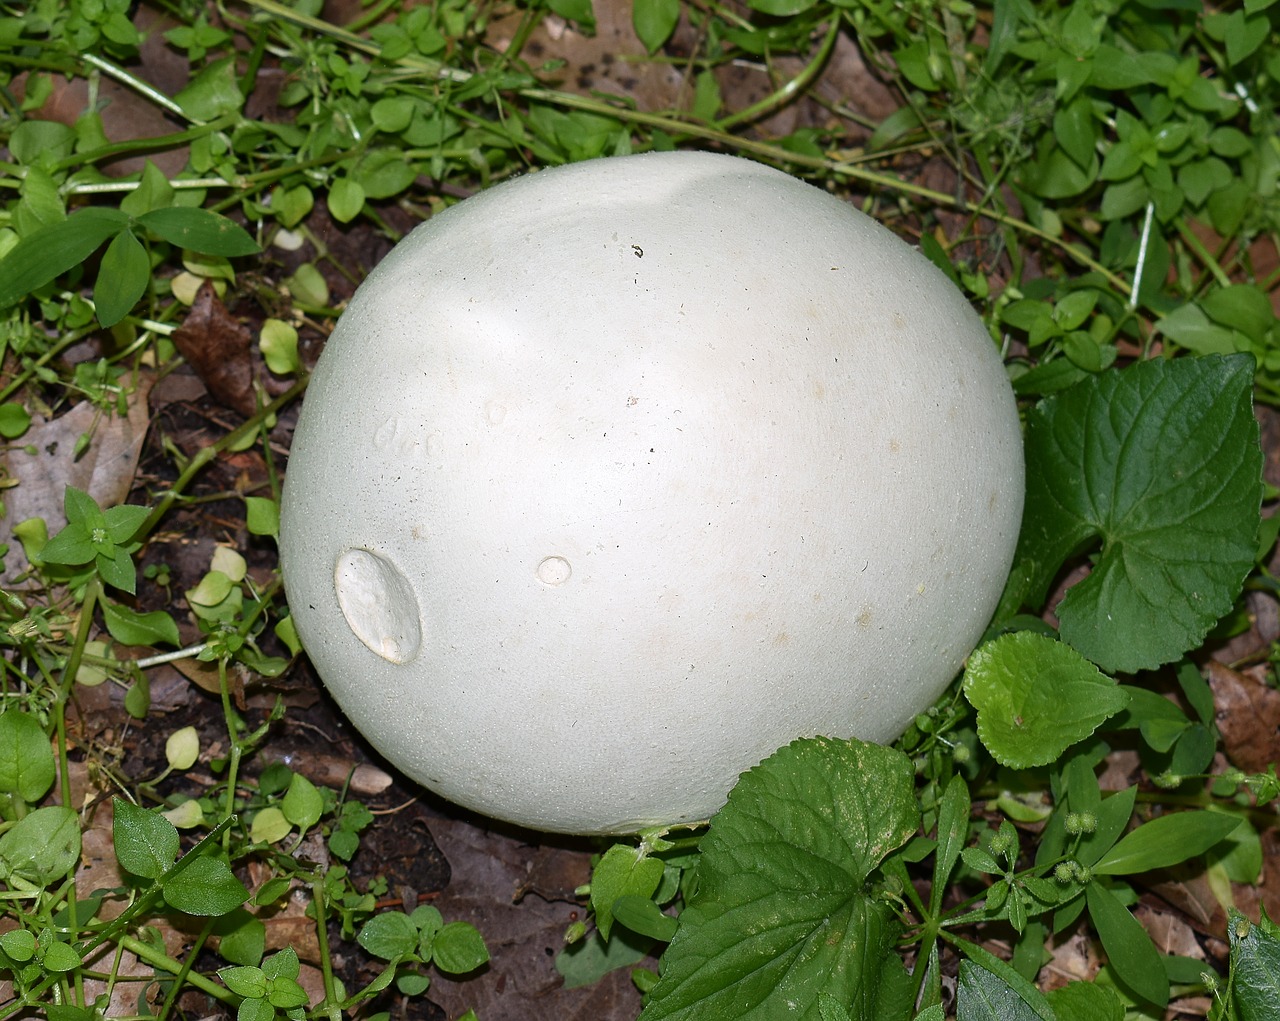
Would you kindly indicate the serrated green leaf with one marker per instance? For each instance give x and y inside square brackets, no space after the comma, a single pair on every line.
[129,627]
[1005,974]
[200,230]
[46,254]
[1036,697]
[1164,841]
[205,887]
[42,846]
[1255,969]
[780,915]
[983,996]
[1133,956]
[146,844]
[1161,462]
[123,276]
[1086,1001]
[26,758]
[953,834]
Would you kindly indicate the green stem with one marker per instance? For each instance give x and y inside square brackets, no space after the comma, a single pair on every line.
[143,88]
[183,976]
[332,1007]
[153,957]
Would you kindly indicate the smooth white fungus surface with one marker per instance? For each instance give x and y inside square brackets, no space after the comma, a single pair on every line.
[617,477]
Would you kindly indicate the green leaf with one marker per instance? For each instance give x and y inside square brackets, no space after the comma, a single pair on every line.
[1086,1001]
[1243,307]
[205,887]
[1036,697]
[146,844]
[953,834]
[129,627]
[200,230]
[302,803]
[1022,988]
[346,199]
[245,980]
[983,996]
[213,92]
[655,20]
[14,420]
[60,957]
[46,254]
[123,277]
[117,569]
[1188,326]
[458,948]
[279,345]
[123,522]
[622,871]
[575,10]
[1133,956]
[642,915]
[42,847]
[26,758]
[590,959]
[262,515]
[1255,968]
[389,936]
[1166,840]
[780,915]
[1161,462]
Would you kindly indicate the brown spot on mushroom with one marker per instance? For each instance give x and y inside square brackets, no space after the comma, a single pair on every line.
[782,638]
[865,617]
[819,391]
[894,446]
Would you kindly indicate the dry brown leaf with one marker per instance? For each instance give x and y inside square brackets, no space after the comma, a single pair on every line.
[105,471]
[1248,715]
[217,346]
[491,874]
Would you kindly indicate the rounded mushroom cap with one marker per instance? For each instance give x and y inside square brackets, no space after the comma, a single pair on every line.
[615,478]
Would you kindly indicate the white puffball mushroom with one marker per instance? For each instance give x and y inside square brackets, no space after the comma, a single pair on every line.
[617,477]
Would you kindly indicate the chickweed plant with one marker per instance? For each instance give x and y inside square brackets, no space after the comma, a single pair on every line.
[1099,177]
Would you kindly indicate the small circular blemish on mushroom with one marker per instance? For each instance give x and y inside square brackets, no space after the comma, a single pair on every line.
[554,571]
[379,604]
[495,412]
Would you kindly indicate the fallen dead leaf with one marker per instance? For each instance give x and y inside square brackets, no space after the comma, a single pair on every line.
[105,471]
[520,896]
[1248,715]
[217,346]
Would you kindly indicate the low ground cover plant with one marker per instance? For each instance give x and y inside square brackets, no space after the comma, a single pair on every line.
[1100,178]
